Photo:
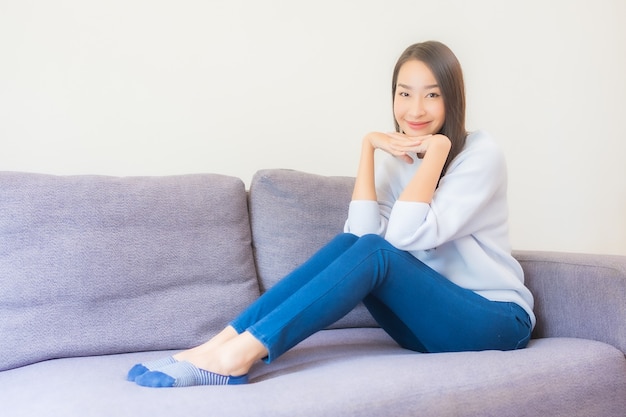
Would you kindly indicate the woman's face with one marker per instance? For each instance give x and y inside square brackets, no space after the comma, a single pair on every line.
[418,105]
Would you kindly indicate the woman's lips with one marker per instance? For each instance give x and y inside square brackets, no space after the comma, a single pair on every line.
[417,125]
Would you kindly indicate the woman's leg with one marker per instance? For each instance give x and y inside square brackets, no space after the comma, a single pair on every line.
[294,281]
[424,311]
[323,290]
[203,355]
[274,296]
[329,295]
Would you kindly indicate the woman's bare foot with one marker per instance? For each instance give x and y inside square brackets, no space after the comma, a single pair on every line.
[207,348]
[232,356]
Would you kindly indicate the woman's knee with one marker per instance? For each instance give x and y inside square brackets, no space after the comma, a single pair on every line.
[373,241]
[342,241]
[347,237]
[371,238]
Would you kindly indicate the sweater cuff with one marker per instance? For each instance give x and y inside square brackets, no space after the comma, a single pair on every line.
[363,218]
[405,219]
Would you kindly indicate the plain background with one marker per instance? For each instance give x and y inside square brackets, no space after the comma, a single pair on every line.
[154,87]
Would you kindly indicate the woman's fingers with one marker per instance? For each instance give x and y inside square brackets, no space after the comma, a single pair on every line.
[399,144]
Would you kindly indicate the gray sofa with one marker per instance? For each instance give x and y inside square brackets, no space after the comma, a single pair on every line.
[98,273]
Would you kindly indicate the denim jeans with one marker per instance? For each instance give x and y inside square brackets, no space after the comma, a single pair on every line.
[420,309]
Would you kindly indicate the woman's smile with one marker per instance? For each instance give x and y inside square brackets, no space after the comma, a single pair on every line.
[416,126]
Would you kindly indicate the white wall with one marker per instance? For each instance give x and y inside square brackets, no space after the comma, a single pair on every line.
[145,87]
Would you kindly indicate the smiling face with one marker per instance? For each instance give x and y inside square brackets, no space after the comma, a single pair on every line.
[418,105]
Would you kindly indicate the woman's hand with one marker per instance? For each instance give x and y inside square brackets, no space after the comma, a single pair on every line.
[401,145]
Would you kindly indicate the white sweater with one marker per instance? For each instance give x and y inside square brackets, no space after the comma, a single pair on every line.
[463,233]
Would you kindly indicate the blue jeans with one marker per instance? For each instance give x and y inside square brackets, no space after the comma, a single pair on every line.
[420,309]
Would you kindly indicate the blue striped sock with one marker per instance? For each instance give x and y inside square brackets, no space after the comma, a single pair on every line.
[142,368]
[185,374]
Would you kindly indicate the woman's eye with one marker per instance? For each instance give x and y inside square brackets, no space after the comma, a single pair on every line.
[432,95]
[403,94]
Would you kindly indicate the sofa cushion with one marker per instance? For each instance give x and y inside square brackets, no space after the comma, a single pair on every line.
[293,214]
[93,265]
[346,372]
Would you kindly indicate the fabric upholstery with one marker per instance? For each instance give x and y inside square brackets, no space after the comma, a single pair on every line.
[93,265]
[577,295]
[343,372]
[292,215]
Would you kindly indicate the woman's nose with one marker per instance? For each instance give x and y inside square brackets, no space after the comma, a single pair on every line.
[417,108]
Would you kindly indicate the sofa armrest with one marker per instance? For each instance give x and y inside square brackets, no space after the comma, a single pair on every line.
[577,295]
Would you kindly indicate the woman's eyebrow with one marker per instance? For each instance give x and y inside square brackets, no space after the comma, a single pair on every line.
[426,87]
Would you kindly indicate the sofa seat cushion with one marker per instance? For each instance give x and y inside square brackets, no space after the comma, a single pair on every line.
[93,265]
[343,372]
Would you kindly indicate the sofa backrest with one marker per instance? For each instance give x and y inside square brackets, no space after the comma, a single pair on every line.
[292,215]
[99,265]
[577,295]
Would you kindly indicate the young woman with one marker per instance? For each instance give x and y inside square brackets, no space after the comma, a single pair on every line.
[425,245]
